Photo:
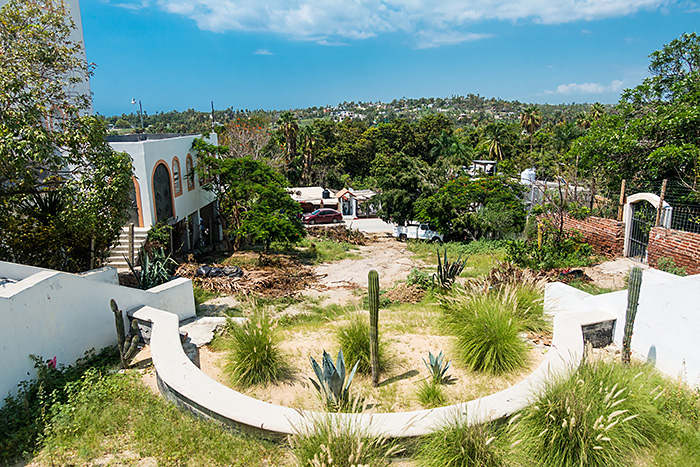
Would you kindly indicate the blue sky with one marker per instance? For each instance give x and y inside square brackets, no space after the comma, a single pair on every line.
[280,54]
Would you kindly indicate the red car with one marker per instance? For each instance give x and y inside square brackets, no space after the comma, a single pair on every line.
[323,216]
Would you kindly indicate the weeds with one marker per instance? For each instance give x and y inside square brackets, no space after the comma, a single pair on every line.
[335,442]
[459,444]
[599,413]
[116,415]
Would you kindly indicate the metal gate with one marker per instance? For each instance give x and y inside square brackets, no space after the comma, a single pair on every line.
[643,219]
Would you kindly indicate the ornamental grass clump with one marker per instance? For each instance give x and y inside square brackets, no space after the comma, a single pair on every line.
[329,441]
[431,394]
[487,330]
[460,444]
[353,338]
[597,416]
[253,355]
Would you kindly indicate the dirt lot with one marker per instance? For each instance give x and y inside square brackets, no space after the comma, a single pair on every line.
[341,283]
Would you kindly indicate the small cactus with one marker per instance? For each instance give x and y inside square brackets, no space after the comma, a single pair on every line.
[127,346]
[633,288]
[373,292]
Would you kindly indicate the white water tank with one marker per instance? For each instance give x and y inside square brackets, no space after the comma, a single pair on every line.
[528,176]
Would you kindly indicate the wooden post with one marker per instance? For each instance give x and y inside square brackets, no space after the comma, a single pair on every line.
[660,208]
[92,253]
[621,206]
[131,243]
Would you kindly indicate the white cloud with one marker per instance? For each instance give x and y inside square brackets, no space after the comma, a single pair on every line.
[262,52]
[133,5]
[587,88]
[431,23]
[432,39]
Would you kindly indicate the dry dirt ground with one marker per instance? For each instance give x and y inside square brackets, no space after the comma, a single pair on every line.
[337,280]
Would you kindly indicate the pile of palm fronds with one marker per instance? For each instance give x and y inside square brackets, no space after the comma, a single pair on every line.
[277,278]
[339,233]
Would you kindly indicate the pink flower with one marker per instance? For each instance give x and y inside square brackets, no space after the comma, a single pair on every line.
[52,363]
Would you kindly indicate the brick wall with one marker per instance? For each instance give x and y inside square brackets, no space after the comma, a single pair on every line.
[606,236]
[683,247]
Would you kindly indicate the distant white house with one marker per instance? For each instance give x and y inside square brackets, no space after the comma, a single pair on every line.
[313,197]
[166,189]
[354,203]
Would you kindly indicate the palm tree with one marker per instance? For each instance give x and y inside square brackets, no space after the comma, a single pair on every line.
[309,136]
[596,111]
[530,121]
[290,128]
[496,133]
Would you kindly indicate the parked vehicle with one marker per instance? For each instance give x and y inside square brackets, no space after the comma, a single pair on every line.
[418,232]
[323,216]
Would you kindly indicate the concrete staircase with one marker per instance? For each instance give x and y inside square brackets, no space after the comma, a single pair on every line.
[117,254]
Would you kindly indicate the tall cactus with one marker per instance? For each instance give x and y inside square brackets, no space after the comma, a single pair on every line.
[373,291]
[633,288]
[127,346]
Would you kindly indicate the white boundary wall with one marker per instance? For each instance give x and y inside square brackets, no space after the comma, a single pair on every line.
[49,313]
[667,325]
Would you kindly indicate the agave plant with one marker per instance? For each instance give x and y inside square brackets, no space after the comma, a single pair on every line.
[156,269]
[331,380]
[447,272]
[437,371]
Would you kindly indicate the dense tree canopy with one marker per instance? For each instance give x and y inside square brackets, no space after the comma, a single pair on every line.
[253,202]
[471,209]
[64,193]
[655,132]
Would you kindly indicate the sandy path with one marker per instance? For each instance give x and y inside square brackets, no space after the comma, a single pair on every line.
[338,279]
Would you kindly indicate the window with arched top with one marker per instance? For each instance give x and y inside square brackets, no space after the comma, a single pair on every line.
[177,182]
[189,168]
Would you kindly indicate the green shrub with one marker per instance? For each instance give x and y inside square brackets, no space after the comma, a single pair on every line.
[461,445]
[529,307]
[487,331]
[353,338]
[253,355]
[595,416]
[431,394]
[24,416]
[419,277]
[330,441]
[559,250]
[669,265]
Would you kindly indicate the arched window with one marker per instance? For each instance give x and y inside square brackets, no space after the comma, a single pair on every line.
[189,172]
[177,182]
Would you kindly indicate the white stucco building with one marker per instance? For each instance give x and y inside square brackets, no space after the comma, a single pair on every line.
[167,189]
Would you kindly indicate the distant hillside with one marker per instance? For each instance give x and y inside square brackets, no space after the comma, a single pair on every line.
[463,111]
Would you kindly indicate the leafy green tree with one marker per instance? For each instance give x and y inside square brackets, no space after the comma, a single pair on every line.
[471,209]
[64,193]
[253,202]
[655,133]
[400,180]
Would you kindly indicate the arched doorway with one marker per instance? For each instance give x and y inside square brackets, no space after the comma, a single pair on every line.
[162,193]
[639,218]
